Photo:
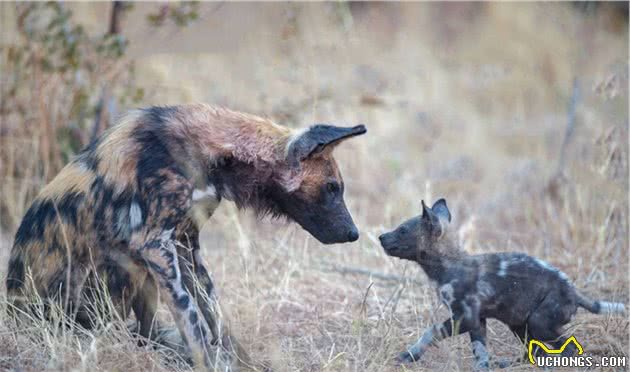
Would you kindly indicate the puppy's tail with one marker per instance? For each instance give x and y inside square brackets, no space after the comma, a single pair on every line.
[599,307]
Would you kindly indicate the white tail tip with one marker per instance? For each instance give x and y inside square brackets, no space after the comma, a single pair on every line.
[611,308]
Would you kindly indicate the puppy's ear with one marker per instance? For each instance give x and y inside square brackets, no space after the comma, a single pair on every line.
[426,213]
[440,209]
[316,139]
[438,216]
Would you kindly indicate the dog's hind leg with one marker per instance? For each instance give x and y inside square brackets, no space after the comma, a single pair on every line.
[520,331]
[149,328]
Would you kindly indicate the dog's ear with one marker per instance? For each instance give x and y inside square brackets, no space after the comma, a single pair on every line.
[316,139]
[438,217]
[440,209]
[426,212]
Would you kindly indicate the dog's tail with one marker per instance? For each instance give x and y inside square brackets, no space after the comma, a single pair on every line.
[599,307]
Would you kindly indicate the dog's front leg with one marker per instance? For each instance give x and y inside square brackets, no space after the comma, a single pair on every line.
[478,342]
[167,200]
[198,282]
[434,334]
[160,255]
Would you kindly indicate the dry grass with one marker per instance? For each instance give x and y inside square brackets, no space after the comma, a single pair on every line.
[463,101]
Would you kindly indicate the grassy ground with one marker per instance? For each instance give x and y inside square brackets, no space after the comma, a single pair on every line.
[467,102]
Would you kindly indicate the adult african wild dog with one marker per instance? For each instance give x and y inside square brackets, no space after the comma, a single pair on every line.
[530,296]
[128,209]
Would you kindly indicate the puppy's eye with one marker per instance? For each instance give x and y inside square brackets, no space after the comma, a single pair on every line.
[403,230]
[332,187]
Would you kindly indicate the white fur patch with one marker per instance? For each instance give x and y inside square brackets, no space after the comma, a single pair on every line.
[166,235]
[503,266]
[611,308]
[83,167]
[427,338]
[209,192]
[296,136]
[467,310]
[484,289]
[549,267]
[481,356]
[135,216]
[446,293]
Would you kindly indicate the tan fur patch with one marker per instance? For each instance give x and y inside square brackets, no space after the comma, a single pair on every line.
[316,171]
[217,132]
[118,153]
[72,178]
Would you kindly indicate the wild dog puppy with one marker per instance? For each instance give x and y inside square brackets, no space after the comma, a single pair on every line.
[530,296]
[128,209]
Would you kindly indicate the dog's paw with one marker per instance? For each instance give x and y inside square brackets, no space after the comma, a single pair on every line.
[482,367]
[503,363]
[404,358]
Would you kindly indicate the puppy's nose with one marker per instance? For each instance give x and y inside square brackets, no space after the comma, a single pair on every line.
[353,235]
[381,237]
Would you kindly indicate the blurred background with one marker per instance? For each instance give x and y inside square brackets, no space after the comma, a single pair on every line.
[516,113]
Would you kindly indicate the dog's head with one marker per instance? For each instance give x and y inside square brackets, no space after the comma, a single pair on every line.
[310,187]
[418,235]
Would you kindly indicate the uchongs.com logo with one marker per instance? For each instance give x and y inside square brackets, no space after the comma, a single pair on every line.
[549,358]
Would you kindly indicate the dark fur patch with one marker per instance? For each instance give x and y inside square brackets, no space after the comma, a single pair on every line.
[200,333]
[246,184]
[69,206]
[154,153]
[118,279]
[35,221]
[15,276]
[56,284]
[182,301]
[88,155]
[193,317]
[317,137]
[115,205]
[159,114]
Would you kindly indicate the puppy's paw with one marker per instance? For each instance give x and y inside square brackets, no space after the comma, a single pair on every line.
[482,367]
[504,363]
[404,358]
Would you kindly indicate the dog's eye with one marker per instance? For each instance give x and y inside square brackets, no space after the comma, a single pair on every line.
[403,230]
[332,187]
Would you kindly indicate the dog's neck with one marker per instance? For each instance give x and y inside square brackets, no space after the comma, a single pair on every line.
[246,184]
[233,152]
[221,133]
[441,256]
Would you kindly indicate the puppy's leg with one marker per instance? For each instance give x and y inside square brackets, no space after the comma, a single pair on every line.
[478,342]
[431,336]
[521,333]
[569,350]
[544,328]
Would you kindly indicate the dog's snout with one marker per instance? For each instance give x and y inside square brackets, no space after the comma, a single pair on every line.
[353,235]
[385,240]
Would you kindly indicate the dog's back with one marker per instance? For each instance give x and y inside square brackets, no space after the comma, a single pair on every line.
[510,286]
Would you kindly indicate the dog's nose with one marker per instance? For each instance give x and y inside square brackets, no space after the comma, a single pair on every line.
[381,237]
[353,235]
